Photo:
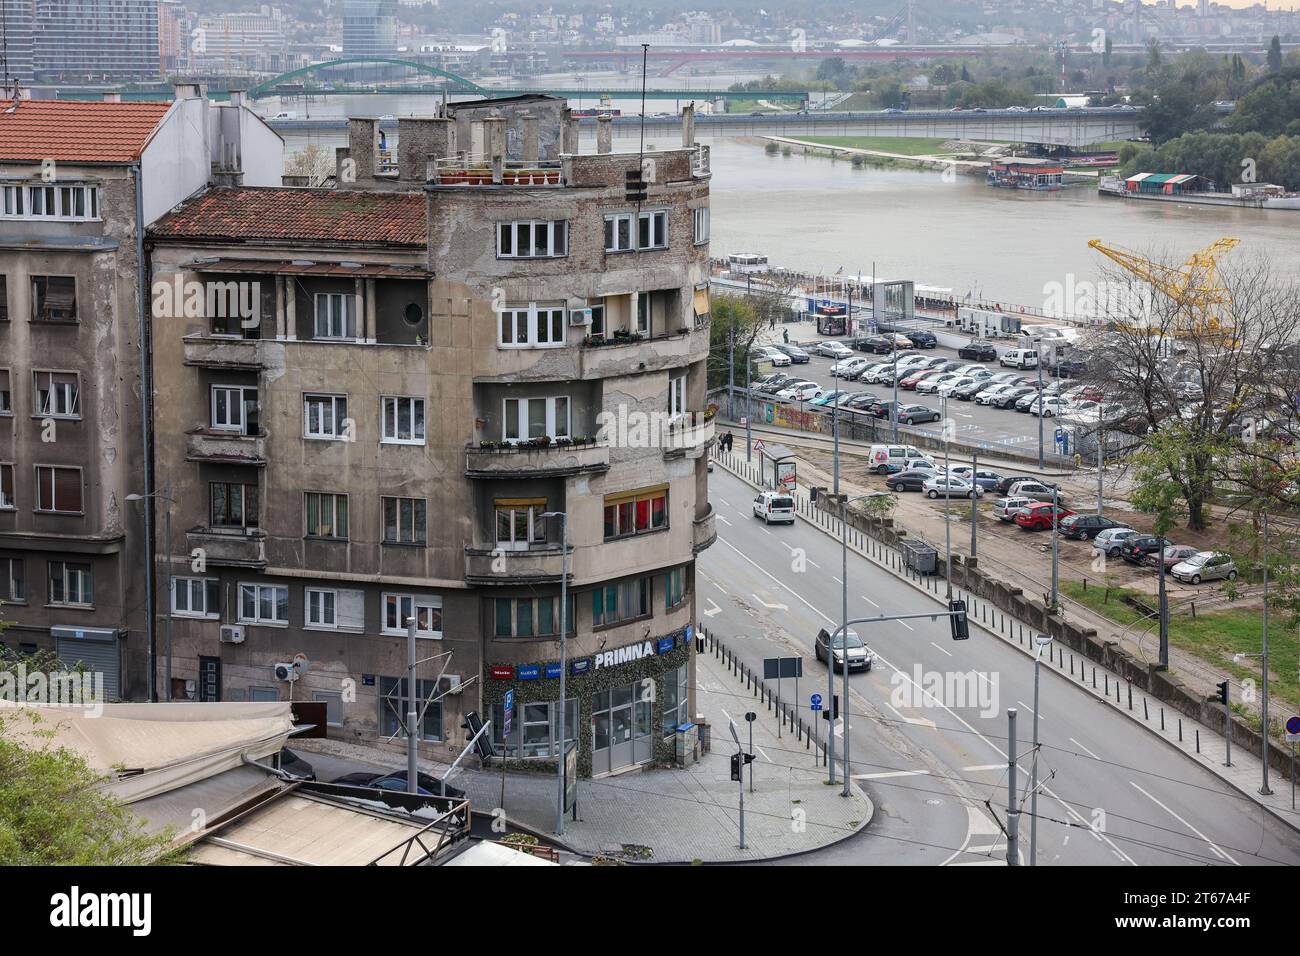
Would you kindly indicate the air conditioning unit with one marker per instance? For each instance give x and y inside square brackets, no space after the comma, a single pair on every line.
[580,316]
[286,671]
[232,634]
[449,684]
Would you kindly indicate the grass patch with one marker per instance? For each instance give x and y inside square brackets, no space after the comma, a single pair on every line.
[1214,636]
[903,145]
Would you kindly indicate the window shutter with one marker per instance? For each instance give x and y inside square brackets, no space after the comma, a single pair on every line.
[351,610]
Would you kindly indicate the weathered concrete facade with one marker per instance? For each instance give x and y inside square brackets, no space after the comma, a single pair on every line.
[529,407]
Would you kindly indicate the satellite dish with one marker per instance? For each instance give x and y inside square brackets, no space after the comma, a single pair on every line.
[300,663]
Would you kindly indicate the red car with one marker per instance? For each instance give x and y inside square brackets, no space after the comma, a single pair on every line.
[1039,517]
[917,377]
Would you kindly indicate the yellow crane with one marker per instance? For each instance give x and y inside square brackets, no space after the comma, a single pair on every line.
[1196,286]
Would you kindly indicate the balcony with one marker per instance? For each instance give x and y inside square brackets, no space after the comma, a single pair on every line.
[606,358]
[225,448]
[700,160]
[704,531]
[495,566]
[530,461]
[233,548]
[222,352]
[468,170]
[688,436]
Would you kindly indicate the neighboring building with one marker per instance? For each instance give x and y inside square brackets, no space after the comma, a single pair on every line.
[439,350]
[369,28]
[173,37]
[18,32]
[72,175]
[97,40]
[240,40]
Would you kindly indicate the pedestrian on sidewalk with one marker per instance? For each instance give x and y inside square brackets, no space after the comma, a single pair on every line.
[786,334]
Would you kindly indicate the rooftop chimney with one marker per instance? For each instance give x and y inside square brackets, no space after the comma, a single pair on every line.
[236,98]
[688,125]
[187,91]
[604,133]
[113,97]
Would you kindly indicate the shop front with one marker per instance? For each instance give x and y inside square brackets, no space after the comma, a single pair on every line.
[623,706]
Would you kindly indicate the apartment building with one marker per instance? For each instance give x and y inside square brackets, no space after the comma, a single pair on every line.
[77,180]
[449,355]
[97,40]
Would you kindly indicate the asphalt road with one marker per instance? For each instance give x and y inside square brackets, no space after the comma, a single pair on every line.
[974,423]
[1111,793]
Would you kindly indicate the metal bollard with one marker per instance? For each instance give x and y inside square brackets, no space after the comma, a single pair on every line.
[1198,739]
[1094,678]
[1071,665]
[1130,695]
[1162,718]
[1146,714]
[1180,730]
[1107,679]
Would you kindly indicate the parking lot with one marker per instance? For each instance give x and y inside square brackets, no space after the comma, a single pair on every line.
[973,423]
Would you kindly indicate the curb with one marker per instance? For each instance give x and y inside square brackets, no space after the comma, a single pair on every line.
[1247,793]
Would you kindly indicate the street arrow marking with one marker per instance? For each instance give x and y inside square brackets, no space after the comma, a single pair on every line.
[713,608]
[774,607]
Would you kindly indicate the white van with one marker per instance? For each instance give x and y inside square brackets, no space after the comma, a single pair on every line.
[886,459]
[774,506]
[1019,358]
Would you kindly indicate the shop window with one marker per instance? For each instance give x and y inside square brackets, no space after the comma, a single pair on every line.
[535,728]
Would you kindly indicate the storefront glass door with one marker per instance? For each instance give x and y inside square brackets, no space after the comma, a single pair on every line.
[621,729]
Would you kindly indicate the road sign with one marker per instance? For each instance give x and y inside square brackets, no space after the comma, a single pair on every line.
[1293,730]
[815,704]
[758,445]
[1060,435]
[508,722]
[744,422]
[776,668]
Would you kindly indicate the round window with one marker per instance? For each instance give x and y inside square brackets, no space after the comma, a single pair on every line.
[413,314]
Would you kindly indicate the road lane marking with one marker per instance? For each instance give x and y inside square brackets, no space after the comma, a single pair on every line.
[891,773]
[869,601]
[723,519]
[980,768]
[938,648]
[773,607]
[712,609]
[906,625]
[1031,710]
[1084,749]
[1221,854]
[836,580]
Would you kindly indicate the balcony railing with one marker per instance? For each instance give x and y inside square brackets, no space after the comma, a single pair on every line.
[700,160]
[558,458]
[704,531]
[222,352]
[627,355]
[496,566]
[469,170]
[225,448]
[241,548]
[688,435]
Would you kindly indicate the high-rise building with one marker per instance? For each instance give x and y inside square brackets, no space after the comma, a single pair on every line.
[97,40]
[369,28]
[173,39]
[17,39]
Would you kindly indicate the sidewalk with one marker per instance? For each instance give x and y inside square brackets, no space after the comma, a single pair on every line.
[1203,744]
[666,815]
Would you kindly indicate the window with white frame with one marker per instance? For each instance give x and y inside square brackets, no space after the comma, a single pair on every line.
[325,416]
[322,608]
[535,727]
[652,230]
[45,201]
[234,409]
[7,488]
[644,324]
[618,232]
[71,583]
[677,395]
[531,326]
[404,521]
[334,609]
[58,489]
[327,515]
[525,418]
[520,524]
[58,394]
[597,329]
[263,604]
[336,315]
[701,219]
[11,580]
[403,418]
[426,609]
[196,597]
[532,239]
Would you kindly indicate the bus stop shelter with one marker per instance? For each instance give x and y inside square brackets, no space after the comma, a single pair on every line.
[776,468]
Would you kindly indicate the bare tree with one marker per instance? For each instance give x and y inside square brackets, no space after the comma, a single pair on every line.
[313,161]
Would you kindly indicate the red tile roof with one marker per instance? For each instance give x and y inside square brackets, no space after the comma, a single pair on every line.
[76,130]
[312,215]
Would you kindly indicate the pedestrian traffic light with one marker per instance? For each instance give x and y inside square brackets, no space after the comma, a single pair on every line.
[1222,694]
[735,767]
[833,711]
[960,627]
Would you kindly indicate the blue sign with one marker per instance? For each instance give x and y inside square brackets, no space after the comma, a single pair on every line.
[553,670]
[688,633]
[665,645]
[1060,435]
[528,671]
[815,703]
[580,666]
[1293,725]
[509,707]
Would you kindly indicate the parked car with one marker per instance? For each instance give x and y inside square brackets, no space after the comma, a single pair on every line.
[765,353]
[899,340]
[861,401]
[947,388]
[916,414]
[912,480]
[968,392]
[1138,549]
[774,506]
[1047,406]
[1019,358]
[884,459]
[1039,517]
[1069,368]
[928,386]
[991,393]
[916,378]
[848,649]
[1205,566]
[1004,509]
[849,367]
[1038,490]
[1023,403]
[869,372]
[835,350]
[979,350]
[874,343]
[1013,398]
[831,398]
[800,391]
[772,383]
[1087,527]
[1111,541]
[1174,554]
[951,486]
[426,785]
[797,355]
[923,340]
[884,409]
[987,480]
[921,464]
[1010,481]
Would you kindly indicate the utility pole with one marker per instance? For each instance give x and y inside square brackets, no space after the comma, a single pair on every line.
[836,454]
[974,500]
[893,409]
[1013,815]
[1042,408]
[412,713]
[1101,466]
[731,373]
[947,499]
[171,586]
[1263,726]
[844,634]
[564,633]
[1055,535]
[1042,640]
[749,413]
[1162,606]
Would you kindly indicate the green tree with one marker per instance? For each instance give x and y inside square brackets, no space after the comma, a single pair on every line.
[733,319]
[1274,57]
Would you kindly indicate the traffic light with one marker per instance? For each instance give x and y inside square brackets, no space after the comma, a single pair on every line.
[636,186]
[735,767]
[473,724]
[1222,693]
[960,627]
[833,711]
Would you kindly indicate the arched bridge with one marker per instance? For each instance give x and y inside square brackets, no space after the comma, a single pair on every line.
[461,84]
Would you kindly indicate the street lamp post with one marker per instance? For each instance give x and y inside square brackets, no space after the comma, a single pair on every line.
[1055,530]
[947,499]
[1263,726]
[167,611]
[1042,640]
[564,633]
[844,638]
[1041,404]
[893,409]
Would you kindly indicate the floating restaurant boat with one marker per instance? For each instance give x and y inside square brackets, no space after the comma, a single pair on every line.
[1038,174]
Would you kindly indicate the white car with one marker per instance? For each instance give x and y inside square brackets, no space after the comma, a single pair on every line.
[1006,508]
[849,368]
[767,354]
[835,350]
[870,370]
[971,369]
[931,385]
[1048,405]
[1111,541]
[947,388]
[987,396]
[800,391]
[921,464]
